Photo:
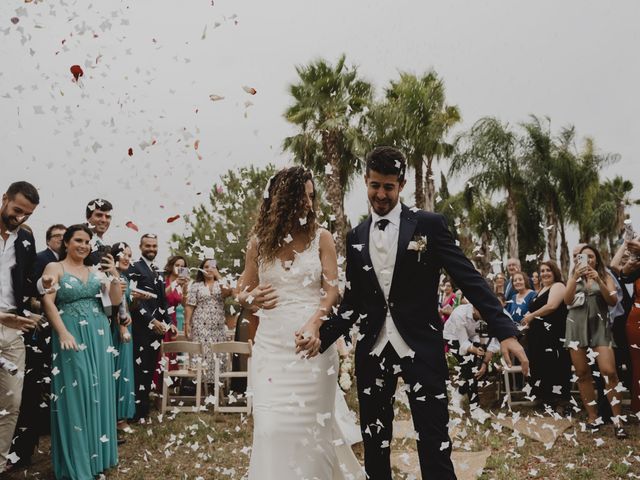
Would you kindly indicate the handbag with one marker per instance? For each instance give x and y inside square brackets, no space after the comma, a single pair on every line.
[578,301]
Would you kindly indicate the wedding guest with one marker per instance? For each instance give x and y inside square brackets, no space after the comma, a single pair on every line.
[98,215]
[33,420]
[53,237]
[546,321]
[513,266]
[176,295]
[589,291]
[122,341]
[83,409]
[448,300]
[204,319]
[518,306]
[461,334]
[176,281]
[535,279]
[499,283]
[150,317]
[630,273]
[17,282]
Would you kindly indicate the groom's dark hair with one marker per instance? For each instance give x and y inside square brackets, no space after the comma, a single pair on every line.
[387,161]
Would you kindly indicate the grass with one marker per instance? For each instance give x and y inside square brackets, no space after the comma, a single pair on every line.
[217,446]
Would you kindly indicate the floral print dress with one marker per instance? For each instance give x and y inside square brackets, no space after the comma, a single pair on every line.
[208,323]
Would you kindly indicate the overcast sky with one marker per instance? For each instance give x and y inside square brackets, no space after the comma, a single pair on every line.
[151,66]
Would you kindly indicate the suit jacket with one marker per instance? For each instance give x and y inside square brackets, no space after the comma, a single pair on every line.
[413,297]
[144,311]
[44,258]
[22,274]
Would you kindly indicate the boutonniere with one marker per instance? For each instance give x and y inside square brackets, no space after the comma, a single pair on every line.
[419,244]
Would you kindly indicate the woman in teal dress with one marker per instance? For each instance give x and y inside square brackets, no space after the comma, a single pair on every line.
[83,407]
[121,327]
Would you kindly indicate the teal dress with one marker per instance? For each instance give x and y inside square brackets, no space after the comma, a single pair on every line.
[125,385]
[83,406]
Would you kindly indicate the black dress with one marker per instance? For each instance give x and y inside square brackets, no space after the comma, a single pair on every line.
[550,362]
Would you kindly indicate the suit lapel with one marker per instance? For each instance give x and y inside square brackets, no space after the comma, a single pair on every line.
[407,228]
[363,235]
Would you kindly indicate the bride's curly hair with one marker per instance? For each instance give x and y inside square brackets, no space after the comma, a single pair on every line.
[282,210]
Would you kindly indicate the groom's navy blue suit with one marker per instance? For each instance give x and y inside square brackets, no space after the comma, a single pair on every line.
[413,304]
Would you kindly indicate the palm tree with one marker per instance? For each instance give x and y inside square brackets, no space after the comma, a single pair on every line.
[329,103]
[540,160]
[421,120]
[490,151]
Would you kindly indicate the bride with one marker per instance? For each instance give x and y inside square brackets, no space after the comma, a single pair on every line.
[291,281]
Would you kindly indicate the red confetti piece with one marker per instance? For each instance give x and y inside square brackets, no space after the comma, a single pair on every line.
[250,90]
[76,71]
[132,226]
[130,152]
[196,144]
[173,219]
[15,20]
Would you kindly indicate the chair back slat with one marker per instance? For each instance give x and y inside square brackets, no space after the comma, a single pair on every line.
[182,347]
[242,348]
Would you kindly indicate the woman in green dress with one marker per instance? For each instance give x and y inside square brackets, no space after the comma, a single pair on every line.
[590,291]
[83,407]
[121,327]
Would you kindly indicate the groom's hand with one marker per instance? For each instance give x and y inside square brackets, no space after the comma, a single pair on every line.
[308,338]
[511,348]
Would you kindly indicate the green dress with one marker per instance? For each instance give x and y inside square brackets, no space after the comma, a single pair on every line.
[125,385]
[588,324]
[83,406]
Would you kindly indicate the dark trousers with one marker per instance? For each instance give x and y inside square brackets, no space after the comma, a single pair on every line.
[465,381]
[33,419]
[377,378]
[143,370]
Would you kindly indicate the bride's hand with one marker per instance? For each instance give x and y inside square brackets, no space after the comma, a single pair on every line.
[308,338]
[262,297]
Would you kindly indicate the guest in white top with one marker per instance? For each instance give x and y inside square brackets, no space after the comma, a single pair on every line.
[461,332]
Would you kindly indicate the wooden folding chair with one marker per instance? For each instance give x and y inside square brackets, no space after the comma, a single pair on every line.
[229,349]
[191,368]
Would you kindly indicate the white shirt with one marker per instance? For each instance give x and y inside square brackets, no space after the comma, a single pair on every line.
[383,246]
[461,326]
[7,262]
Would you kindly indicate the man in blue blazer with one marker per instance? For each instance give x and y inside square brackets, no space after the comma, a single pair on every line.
[150,319]
[394,261]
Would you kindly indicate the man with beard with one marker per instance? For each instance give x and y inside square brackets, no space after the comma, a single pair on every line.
[98,214]
[17,261]
[33,420]
[150,319]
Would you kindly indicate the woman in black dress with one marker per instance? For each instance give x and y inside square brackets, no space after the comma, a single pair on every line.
[550,363]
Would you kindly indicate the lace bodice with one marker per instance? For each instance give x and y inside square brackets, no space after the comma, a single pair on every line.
[299,283]
[76,296]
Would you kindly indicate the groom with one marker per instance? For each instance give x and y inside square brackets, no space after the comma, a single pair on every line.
[394,260]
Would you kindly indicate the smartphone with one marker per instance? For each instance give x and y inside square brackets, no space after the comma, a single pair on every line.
[182,272]
[629,234]
[103,251]
[582,260]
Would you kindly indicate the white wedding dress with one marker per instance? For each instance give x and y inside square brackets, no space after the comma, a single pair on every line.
[295,434]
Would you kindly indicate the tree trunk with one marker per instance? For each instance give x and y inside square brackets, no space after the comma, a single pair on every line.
[335,195]
[512,227]
[430,201]
[564,251]
[552,234]
[419,193]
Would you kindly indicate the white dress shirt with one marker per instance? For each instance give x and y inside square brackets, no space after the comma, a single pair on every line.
[383,246]
[462,327]
[7,262]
